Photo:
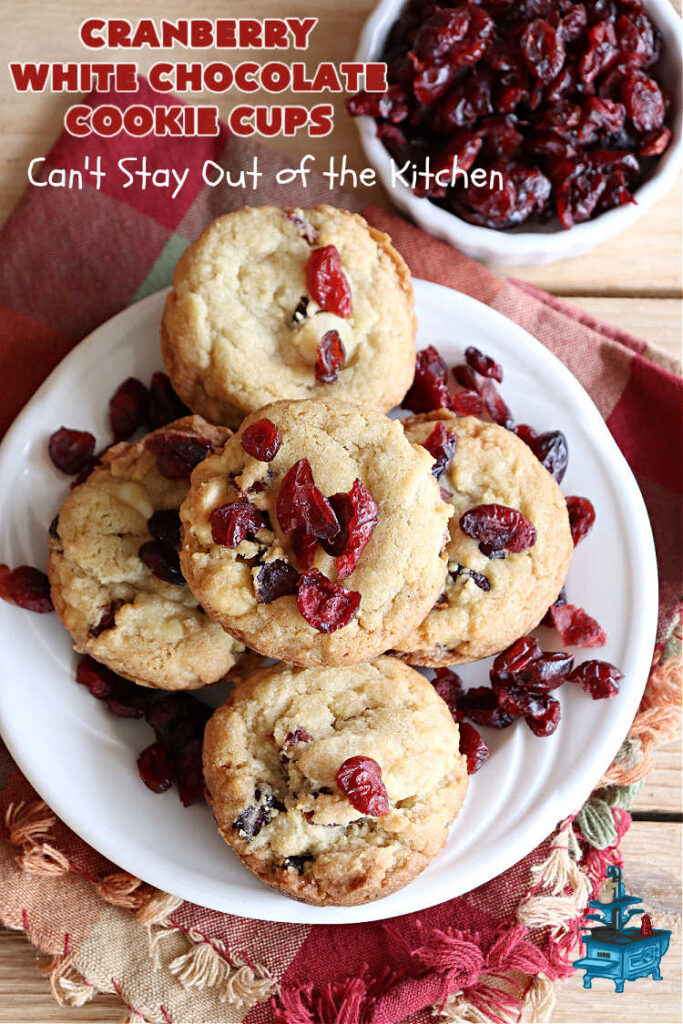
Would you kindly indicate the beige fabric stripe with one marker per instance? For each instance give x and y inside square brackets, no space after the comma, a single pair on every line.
[48,907]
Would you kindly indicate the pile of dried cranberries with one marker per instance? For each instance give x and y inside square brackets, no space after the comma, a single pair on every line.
[558,97]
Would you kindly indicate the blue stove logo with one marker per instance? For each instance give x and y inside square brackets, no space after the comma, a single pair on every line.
[614,951]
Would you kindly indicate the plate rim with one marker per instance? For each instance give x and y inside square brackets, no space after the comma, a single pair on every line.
[566,800]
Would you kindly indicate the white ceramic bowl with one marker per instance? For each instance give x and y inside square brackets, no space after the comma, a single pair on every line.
[546,243]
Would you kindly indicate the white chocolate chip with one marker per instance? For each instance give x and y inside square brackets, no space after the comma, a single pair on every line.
[135,494]
[308,336]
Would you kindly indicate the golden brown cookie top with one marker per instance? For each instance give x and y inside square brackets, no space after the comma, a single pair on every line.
[272,755]
[346,450]
[114,569]
[244,322]
[487,603]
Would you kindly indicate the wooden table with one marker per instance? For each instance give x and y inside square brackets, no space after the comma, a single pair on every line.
[633,282]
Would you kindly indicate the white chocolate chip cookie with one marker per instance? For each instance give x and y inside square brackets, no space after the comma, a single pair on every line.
[304,594]
[488,603]
[116,609]
[242,326]
[272,755]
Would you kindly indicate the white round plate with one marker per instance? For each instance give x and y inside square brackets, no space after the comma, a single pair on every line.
[82,760]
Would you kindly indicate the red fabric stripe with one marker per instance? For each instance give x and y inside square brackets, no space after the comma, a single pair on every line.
[160,153]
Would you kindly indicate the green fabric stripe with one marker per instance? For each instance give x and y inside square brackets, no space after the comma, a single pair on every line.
[162,271]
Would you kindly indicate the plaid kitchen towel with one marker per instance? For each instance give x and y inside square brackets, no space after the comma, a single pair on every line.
[71,259]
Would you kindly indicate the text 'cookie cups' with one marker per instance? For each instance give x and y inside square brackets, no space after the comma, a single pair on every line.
[284,760]
[270,304]
[113,564]
[488,601]
[327,553]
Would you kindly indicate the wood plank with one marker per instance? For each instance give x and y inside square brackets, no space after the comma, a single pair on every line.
[662,792]
[652,870]
[25,992]
[657,321]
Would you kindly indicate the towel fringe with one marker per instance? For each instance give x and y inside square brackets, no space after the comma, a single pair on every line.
[122,890]
[68,987]
[539,1000]
[158,908]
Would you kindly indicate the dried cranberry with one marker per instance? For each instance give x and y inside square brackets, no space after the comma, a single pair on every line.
[545,723]
[162,561]
[231,524]
[26,587]
[655,143]
[304,547]
[473,747]
[644,102]
[190,773]
[552,451]
[262,440]
[327,282]
[325,605]
[525,433]
[483,364]
[301,505]
[99,679]
[298,735]
[106,620]
[601,53]
[638,43]
[500,527]
[276,579]
[441,446]
[448,685]
[517,657]
[467,403]
[439,34]
[128,408]
[507,198]
[155,768]
[576,627]
[581,517]
[164,405]
[573,24]
[468,378]
[71,450]
[481,705]
[164,525]
[360,780]
[252,819]
[547,672]
[496,407]
[359,528]
[543,49]
[297,863]
[344,510]
[330,358]
[393,105]
[518,702]
[428,390]
[598,678]
[561,599]
[178,454]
